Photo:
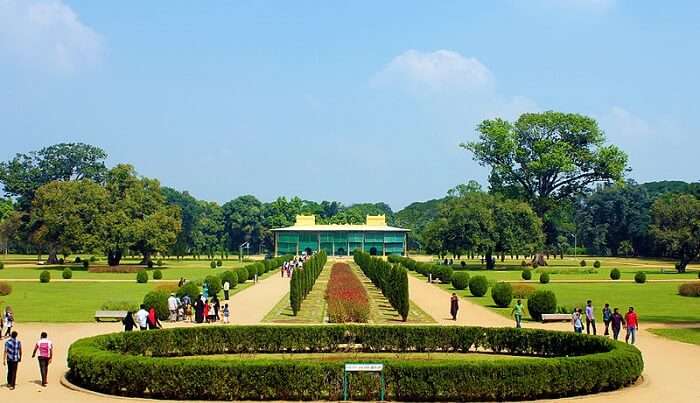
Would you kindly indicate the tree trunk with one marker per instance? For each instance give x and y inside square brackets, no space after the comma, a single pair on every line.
[490,261]
[539,260]
[53,258]
[680,266]
[146,258]
[114,257]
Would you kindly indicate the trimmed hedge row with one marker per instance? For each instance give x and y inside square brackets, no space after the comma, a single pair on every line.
[303,280]
[136,363]
[391,279]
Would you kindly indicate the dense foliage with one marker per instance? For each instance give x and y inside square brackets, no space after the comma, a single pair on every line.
[346,297]
[460,280]
[685,289]
[303,280]
[526,274]
[45,276]
[391,279]
[67,273]
[640,277]
[478,285]
[544,278]
[128,363]
[502,294]
[159,301]
[142,276]
[615,274]
[542,301]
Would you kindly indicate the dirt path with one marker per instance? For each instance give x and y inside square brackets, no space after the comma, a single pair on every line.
[671,368]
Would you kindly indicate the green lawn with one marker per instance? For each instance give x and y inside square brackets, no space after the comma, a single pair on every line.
[654,302]
[687,335]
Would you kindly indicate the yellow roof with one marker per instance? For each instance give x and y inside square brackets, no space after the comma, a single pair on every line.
[308,223]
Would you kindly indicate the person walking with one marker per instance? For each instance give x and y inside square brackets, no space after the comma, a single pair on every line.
[226,313]
[518,313]
[11,358]
[454,306]
[607,316]
[577,321]
[142,318]
[616,320]
[45,349]
[590,318]
[227,287]
[8,319]
[153,322]
[172,307]
[128,322]
[632,326]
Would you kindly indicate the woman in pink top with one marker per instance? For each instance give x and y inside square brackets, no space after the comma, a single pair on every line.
[45,349]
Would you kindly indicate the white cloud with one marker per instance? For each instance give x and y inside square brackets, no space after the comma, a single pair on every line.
[46,34]
[435,71]
[624,123]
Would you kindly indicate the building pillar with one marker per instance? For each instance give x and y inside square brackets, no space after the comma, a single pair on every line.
[276,239]
[405,244]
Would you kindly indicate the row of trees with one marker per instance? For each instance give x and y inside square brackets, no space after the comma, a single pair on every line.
[303,280]
[391,279]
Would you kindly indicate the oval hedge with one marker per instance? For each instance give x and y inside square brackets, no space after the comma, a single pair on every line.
[155,364]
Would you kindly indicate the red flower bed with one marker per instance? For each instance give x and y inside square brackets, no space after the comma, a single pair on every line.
[346,296]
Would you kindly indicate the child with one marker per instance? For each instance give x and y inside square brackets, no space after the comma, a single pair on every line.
[8,321]
[188,312]
[226,313]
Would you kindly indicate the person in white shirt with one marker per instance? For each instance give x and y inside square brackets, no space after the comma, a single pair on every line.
[172,307]
[142,318]
[227,286]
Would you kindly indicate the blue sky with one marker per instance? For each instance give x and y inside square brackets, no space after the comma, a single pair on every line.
[349,101]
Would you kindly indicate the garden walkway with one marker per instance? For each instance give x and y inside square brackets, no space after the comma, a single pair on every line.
[671,368]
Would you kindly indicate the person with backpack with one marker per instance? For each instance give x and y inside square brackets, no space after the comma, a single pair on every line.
[616,320]
[607,316]
[11,358]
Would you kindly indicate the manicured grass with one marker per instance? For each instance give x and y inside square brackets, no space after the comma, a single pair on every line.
[313,308]
[687,335]
[361,357]
[654,302]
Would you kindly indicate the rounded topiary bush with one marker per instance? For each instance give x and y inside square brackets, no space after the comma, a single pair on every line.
[86,264]
[685,289]
[526,274]
[67,273]
[159,262]
[157,274]
[212,264]
[259,269]
[582,263]
[213,285]
[540,302]
[45,276]
[159,301]
[523,263]
[219,263]
[445,273]
[189,289]
[142,276]
[596,264]
[478,285]
[93,259]
[77,259]
[229,276]
[252,271]
[5,288]
[242,275]
[615,274]
[460,280]
[640,277]
[502,294]
[535,265]
[544,278]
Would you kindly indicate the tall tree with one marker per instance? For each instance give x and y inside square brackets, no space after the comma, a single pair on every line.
[209,228]
[189,212]
[243,221]
[546,158]
[676,227]
[68,216]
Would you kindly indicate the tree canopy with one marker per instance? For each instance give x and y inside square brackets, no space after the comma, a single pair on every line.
[676,227]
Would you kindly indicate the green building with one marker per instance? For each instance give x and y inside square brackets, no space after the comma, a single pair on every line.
[374,237]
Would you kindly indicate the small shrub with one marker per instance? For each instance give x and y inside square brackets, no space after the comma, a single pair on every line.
[67,273]
[149,264]
[159,262]
[157,274]
[526,274]
[615,274]
[159,301]
[523,263]
[213,285]
[444,274]
[45,276]
[535,265]
[212,264]
[252,271]
[77,259]
[93,259]
[582,263]
[685,289]
[460,280]
[5,288]
[478,285]
[190,289]
[640,277]
[523,291]
[259,268]
[464,264]
[219,263]
[119,306]
[502,294]
[242,275]
[86,264]
[542,301]
[231,277]
[544,278]
[596,264]
[142,276]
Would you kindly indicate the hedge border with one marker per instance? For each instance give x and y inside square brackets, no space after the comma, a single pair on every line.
[582,364]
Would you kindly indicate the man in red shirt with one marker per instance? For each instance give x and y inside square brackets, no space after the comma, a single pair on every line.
[632,326]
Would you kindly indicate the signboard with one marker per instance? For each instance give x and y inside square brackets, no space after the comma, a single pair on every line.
[358,367]
[364,367]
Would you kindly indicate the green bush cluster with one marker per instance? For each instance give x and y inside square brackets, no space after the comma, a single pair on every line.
[219,263]
[615,274]
[127,363]
[526,274]
[159,300]
[596,264]
[544,278]
[159,262]
[640,277]
[213,285]
[77,260]
[190,288]
[93,259]
[67,273]
[242,273]
[142,276]
[229,276]
[212,264]
[303,280]
[45,276]
[157,274]
[502,294]
[391,279]
[460,280]
[542,301]
[478,285]
[582,263]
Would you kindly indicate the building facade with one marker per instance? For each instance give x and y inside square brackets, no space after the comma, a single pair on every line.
[374,237]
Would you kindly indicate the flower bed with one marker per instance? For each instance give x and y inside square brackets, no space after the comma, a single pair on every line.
[155,364]
[346,296]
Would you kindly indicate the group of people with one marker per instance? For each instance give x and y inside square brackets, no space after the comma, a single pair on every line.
[612,318]
[289,266]
[12,356]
